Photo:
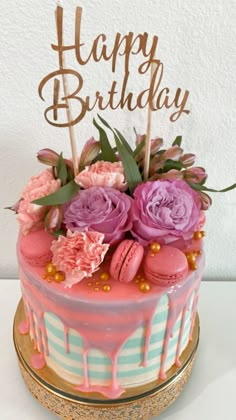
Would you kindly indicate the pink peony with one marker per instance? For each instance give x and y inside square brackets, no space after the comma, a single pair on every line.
[79,255]
[30,215]
[165,211]
[103,174]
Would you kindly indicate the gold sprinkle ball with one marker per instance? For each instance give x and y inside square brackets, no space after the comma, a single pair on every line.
[104,276]
[193,266]
[89,283]
[203,233]
[96,289]
[136,280]
[191,257]
[59,276]
[144,287]
[97,283]
[197,235]
[50,269]
[106,288]
[155,247]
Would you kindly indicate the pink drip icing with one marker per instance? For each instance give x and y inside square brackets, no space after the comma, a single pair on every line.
[113,331]
[32,328]
[177,359]
[38,361]
[176,306]
[66,343]
[24,327]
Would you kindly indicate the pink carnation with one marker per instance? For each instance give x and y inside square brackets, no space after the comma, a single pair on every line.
[79,255]
[103,174]
[30,215]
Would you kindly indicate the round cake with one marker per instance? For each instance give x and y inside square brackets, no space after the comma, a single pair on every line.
[110,265]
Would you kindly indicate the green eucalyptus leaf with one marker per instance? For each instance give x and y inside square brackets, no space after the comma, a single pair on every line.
[61,169]
[61,196]
[172,164]
[231,187]
[124,142]
[200,187]
[107,151]
[121,137]
[131,169]
[139,147]
[177,141]
[57,233]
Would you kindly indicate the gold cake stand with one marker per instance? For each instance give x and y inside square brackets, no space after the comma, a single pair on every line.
[135,404]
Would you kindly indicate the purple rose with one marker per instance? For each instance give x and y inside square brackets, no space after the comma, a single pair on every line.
[101,209]
[165,211]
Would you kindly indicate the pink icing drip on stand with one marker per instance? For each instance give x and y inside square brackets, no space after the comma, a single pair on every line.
[24,327]
[38,361]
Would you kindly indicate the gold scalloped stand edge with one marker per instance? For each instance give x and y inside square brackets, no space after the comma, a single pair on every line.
[145,403]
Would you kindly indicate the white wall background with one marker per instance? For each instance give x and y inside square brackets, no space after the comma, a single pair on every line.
[197,46]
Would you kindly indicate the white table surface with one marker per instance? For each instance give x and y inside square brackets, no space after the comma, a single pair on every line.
[210,393]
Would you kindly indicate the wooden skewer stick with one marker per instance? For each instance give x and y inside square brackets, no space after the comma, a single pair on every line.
[59,23]
[148,135]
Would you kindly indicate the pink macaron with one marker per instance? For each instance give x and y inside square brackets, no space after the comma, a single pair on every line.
[126,261]
[35,247]
[166,267]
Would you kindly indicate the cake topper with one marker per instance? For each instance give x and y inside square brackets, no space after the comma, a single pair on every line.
[125,46]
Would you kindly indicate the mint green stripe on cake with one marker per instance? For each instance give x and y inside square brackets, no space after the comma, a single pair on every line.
[107,374]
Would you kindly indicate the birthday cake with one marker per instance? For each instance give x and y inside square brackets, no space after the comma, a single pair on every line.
[110,263]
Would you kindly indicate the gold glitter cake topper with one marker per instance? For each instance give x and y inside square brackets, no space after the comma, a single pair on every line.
[154,97]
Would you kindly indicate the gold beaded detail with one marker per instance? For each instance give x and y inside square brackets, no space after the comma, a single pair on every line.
[51,274]
[59,276]
[50,269]
[106,288]
[104,276]
[192,259]
[155,247]
[144,287]
[199,234]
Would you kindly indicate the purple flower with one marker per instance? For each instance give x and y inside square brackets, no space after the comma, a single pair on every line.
[165,211]
[101,209]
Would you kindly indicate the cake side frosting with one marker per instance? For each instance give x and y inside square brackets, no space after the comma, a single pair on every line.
[107,342]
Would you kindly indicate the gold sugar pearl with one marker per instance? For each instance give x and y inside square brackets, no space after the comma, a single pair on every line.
[193,266]
[59,276]
[139,276]
[50,269]
[144,287]
[191,257]
[155,247]
[136,280]
[203,233]
[197,235]
[44,276]
[96,289]
[89,283]
[97,283]
[104,276]
[106,288]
